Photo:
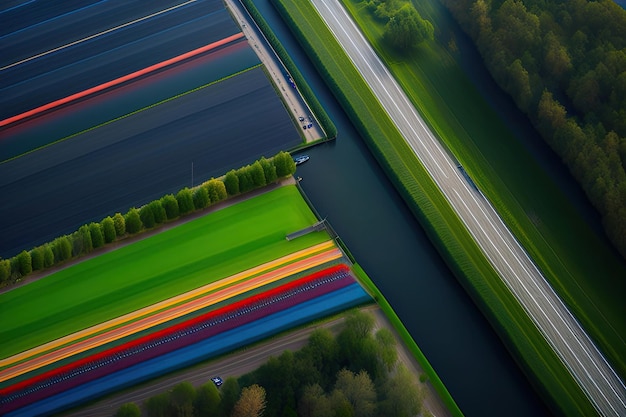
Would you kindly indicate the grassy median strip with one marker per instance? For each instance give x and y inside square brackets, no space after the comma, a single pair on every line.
[441,223]
[204,250]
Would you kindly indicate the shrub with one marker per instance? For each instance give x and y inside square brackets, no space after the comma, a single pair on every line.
[128,410]
[284,164]
[108,229]
[97,239]
[158,211]
[185,201]
[120,224]
[147,217]
[36,258]
[231,182]
[81,241]
[257,174]
[48,256]
[62,249]
[216,190]
[269,170]
[5,271]
[245,179]
[133,221]
[24,265]
[170,205]
[201,198]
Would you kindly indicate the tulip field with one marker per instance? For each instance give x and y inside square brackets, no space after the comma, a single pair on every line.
[190,293]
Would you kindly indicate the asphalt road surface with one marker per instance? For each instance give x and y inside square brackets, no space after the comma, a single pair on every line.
[294,102]
[563,332]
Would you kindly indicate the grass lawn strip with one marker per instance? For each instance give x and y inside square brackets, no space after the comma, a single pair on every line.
[178,260]
[440,222]
[226,292]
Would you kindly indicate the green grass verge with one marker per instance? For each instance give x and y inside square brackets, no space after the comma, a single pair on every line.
[193,254]
[584,271]
[408,340]
[431,208]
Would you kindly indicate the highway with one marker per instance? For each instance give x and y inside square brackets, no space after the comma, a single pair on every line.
[562,331]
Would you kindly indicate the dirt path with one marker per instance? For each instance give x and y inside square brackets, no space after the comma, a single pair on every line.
[294,102]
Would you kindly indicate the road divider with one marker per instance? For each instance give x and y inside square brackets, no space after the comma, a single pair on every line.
[120,80]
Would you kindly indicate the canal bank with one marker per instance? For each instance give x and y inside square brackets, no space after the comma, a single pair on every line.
[348,188]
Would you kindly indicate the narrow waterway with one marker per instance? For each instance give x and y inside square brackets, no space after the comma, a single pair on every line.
[347,187]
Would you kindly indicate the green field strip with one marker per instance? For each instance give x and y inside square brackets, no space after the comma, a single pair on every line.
[175,261]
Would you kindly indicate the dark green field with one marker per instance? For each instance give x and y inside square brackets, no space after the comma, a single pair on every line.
[196,253]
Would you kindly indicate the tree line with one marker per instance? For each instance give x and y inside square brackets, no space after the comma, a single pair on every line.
[92,236]
[353,374]
[564,65]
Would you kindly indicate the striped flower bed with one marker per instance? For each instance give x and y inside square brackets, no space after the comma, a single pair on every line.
[173,338]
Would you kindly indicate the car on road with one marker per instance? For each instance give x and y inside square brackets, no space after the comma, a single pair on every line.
[217,381]
[310,125]
[301,159]
[301,118]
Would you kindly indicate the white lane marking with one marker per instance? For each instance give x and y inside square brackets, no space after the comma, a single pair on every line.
[96,35]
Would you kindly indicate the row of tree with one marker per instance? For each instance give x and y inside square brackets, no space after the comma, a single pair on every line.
[169,207]
[354,374]
[564,64]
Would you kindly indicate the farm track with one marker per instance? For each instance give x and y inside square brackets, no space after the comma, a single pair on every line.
[168,310]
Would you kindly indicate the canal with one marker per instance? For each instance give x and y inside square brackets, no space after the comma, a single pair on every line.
[348,188]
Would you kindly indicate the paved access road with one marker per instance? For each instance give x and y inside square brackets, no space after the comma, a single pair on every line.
[563,332]
[294,102]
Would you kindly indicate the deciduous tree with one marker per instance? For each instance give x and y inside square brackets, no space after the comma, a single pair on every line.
[158,211]
[24,264]
[231,182]
[185,201]
[251,403]
[201,198]
[48,255]
[133,221]
[108,229]
[147,217]
[120,224]
[170,204]
[97,239]
[36,258]
[128,410]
